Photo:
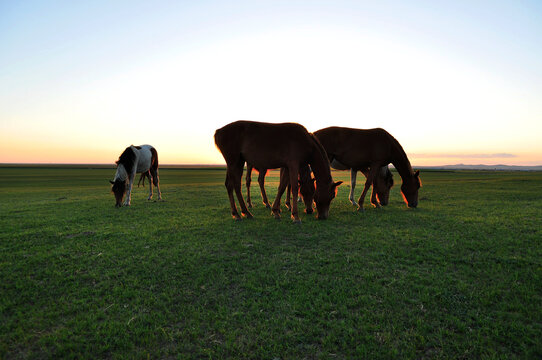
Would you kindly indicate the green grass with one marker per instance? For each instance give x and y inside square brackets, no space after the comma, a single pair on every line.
[459,277]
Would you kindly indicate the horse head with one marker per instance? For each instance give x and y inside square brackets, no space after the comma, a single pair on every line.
[382,185]
[322,197]
[118,189]
[409,189]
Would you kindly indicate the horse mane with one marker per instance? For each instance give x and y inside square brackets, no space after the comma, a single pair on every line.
[321,151]
[402,154]
[319,146]
[127,159]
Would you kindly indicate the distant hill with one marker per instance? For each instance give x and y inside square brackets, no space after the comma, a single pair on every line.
[483,167]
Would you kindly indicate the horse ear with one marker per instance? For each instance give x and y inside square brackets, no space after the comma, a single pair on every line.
[417,173]
[112,182]
[337,183]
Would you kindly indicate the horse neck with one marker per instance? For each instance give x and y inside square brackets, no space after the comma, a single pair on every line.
[121,173]
[320,163]
[401,162]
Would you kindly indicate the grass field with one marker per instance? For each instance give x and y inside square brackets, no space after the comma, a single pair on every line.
[459,277]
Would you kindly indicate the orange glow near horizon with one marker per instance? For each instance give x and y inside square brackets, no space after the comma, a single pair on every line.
[15,151]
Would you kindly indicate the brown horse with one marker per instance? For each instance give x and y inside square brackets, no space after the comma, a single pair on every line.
[272,146]
[306,186]
[373,149]
[382,183]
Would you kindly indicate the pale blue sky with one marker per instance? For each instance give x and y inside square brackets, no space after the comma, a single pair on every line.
[457,81]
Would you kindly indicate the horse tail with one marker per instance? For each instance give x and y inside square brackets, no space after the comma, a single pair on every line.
[219,138]
[228,140]
[154,166]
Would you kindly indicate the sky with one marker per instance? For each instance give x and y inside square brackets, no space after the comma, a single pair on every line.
[453,81]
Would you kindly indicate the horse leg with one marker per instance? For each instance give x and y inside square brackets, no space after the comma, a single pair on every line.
[153,175]
[148,175]
[237,175]
[248,180]
[374,200]
[128,200]
[288,195]
[294,175]
[229,188]
[353,175]
[370,177]
[261,182]
[156,181]
[284,177]
[276,204]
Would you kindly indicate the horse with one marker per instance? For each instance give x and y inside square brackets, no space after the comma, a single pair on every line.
[372,149]
[306,186]
[135,159]
[271,146]
[382,183]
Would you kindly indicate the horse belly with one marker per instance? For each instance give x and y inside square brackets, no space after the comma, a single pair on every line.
[144,161]
[263,164]
[337,165]
[265,155]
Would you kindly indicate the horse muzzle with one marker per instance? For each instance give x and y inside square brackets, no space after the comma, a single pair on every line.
[323,215]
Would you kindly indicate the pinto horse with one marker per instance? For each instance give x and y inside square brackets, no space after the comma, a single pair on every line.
[372,149]
[306,186]
[135,159]
[271,146]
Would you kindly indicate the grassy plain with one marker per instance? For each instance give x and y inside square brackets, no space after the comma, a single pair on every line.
[459,277]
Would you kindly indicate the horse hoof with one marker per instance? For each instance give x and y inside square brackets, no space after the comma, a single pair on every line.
[276,215]
[249,206]
[248,215]
[296,221]
[361,209]
[267,206]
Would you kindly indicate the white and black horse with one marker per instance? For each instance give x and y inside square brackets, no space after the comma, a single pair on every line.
[135,159]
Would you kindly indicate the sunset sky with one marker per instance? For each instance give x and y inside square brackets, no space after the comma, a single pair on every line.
[453,81]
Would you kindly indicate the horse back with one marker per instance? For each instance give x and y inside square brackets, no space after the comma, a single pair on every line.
[264,145]
[357,148]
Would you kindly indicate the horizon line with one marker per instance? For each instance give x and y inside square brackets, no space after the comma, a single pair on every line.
[224,165]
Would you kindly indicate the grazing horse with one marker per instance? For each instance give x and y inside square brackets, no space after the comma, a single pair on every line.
[382,183]
[306,186]
[135,159]
[373,149]
[271,146]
